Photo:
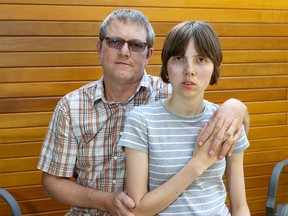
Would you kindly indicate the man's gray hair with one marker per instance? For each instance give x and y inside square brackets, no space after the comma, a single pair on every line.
[128,15]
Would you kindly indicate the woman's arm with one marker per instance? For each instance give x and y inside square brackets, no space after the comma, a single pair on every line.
[236,185]
[153,202]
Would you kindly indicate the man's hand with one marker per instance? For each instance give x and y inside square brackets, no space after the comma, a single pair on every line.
[225,127]
[120,204]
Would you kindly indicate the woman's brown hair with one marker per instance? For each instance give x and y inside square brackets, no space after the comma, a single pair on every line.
[206,42]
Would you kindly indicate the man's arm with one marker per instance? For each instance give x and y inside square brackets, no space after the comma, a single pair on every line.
[69,192]
[234,113]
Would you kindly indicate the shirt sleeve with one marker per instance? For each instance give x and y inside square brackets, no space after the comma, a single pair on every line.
[135,132]
[59,150]
[242,143]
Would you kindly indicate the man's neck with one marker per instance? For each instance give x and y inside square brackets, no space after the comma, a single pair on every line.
[119,93]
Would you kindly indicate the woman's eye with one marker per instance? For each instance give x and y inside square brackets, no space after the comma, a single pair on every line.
[178,58]
[202,59]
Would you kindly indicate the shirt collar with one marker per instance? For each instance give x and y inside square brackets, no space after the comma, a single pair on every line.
[145,83]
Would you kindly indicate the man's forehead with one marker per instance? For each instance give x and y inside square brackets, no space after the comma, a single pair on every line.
[127,29]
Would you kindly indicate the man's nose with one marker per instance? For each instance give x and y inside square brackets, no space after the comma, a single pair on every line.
[125,49]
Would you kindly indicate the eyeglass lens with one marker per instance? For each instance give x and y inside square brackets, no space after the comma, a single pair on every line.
[118,43]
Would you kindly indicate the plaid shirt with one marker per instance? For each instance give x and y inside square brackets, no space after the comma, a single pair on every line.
[82,137]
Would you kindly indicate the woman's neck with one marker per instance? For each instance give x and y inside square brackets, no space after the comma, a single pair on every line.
[185,107]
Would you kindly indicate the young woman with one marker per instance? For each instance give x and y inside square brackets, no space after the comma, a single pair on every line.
[167,174]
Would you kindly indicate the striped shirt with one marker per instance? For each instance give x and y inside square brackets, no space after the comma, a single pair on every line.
[82,137]
[169,141]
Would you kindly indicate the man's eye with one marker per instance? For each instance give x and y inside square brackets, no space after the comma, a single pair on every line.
[115,41]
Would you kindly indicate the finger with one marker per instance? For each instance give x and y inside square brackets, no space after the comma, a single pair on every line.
[126,200]
[200,134]
[217,142]
[231,130]
[214,126]
[229,145]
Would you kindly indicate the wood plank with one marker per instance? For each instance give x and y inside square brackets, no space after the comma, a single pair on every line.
[20,179]
[254,43]
[251,82]
[28,104]
[247,95]
[261,193]
[38,133]
[281,4]
[35,44]
[269,144]
[91,58]
[249,29]
[27,192]
[48,28]
[60,89]
[267,106]
[257,101]
[48,59]
[38,119]
[10,90]
[258,169]
[30,149]
[23,164]
[90,28]
[36,206]
[14,150]
[42,74]
[268,119]
[38,89]
[268,132]
[257,69]
[16,120]
[46,44]
[263,181]
[256,163]
[260,205]
[12,75]
[265,157]
[23,134]
[99,13]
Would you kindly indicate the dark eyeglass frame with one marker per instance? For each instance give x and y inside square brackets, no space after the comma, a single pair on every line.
[133,45]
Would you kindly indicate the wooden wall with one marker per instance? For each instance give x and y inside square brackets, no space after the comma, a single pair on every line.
[47,48]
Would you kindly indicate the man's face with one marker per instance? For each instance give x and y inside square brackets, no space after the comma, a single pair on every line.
[122,65]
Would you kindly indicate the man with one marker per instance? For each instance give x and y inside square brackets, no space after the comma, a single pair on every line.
[87,123]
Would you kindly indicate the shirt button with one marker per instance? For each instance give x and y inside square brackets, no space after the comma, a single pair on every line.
[121,133]
[114,181]
[115,157]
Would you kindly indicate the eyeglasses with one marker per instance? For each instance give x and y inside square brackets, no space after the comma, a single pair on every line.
[118,43]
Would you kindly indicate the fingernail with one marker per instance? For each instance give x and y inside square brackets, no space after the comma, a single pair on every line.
[211,152]
[200,143]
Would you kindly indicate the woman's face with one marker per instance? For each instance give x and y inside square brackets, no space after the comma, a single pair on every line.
[189,74]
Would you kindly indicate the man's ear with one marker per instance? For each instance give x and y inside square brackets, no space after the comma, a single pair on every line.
[99,46]
[149,55]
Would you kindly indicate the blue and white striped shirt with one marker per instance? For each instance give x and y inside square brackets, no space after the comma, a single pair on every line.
[169,141]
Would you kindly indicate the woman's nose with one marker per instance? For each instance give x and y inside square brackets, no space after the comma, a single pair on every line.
[190,69]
